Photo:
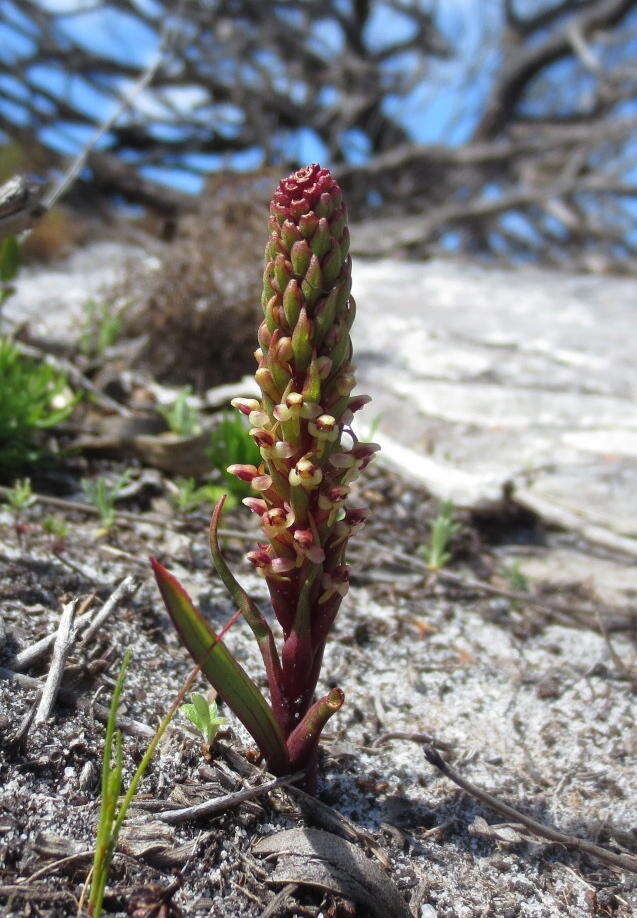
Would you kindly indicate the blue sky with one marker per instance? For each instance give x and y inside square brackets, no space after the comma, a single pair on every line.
[442,108]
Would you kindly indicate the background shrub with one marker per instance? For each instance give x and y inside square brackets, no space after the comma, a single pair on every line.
[199,310]
[33,398]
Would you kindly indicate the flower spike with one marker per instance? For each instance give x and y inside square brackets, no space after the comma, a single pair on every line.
[311,459]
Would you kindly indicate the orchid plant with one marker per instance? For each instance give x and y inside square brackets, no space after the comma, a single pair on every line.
[310,458]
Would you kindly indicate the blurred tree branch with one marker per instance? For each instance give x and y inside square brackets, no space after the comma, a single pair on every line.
[20,206]
[544,173]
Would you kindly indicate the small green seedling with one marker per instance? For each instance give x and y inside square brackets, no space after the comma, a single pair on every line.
[204,715]
[182,417]
[104,494]
[516,579]
[55,526]
[188,495]
[373,427]
[113,810]
[21,495]
[443,528]
[102,328]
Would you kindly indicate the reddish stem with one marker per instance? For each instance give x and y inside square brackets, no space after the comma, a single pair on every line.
[303,741]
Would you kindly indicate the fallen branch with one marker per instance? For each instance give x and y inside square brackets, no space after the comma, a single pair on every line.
[565,615]
[220,804]
[623,861]
[27,657]
[127,588]
[61,648]
[20,205]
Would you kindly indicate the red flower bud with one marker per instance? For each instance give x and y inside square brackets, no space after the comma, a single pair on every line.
[244,472]
[262,437]
[245,405]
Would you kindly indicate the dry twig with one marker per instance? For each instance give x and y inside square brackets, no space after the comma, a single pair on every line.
[623,861]
[125,590]
[220,804]
[20,205]
[27,657]
[279,900]
[63,643]
[426,738]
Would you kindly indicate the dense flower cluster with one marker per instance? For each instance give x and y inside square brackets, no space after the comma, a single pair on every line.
[302,425]
[310,459]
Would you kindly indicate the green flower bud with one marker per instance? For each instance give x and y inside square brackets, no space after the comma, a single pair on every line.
[292,301]
[302,342]
[300,255]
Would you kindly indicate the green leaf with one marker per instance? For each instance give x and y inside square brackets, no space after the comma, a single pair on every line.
[222,670]
[9,259]
[202,708]
[189,711]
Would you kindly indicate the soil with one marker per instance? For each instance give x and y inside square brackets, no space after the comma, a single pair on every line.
[539,712]
[532,699]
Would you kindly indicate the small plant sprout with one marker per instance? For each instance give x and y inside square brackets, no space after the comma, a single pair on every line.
[204,715]
[181,416]
[113,810]
[56,526]
[21,495]
[107,829]
[188,495]
[443,529]
[102,328]
[307,461]
[19,498]
[103,494]
[516,578]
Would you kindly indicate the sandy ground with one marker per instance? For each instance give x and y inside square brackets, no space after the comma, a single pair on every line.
[535,707]
[540,713]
